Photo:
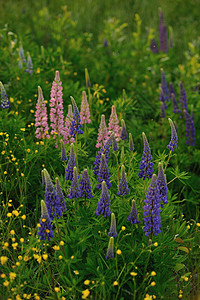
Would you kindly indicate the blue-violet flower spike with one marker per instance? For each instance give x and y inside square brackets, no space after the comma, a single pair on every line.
[74,190]
[71,164]
[146,166]
[123,135]
[63,151]
[133,217]
[103,206]
[60,195]
[122,188]
[5,103]
[110,250]
[151,213]
[85,186]
[162,184]
[174,138]
[45,226]
[76,122]
[113,230]
[103,174]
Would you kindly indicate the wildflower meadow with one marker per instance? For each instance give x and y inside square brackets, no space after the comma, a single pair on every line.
[100,150]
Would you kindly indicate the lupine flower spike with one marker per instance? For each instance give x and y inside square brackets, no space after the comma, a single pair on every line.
[153,46]
[162,184]
[123,134]
[87,79]
[60,195]
[113,124]
[74,190]
[104,150]
[56,107]
[41,118]
[176,109]
[133,217]
[113,230]
[43,178]
[76,122]
[21,53]
[110,250]
[162,108]
[63,151]
[122,188]
[71,164]
[85,111]
[103,174]
[114,143]
[174,138]
[164,86]
[70,113]
[5,103]
[67,138]
[103,133]
[52,200]
[103,206]
[163,34]
[151,213]
[131,146]
[29,65]
[190,129]
[183,97]
[85,186]
[146,166]
[45,226]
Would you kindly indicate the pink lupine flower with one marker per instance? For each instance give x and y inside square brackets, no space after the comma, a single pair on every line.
[67,138]
[85,112]
[56,104]
[41,117]
[103,133]
[113,124]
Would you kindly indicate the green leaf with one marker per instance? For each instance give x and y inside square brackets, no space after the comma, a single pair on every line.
[185,249]
[178,267]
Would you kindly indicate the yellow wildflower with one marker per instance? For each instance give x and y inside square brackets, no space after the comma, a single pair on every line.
[85,294]
[3,259]
[86,282]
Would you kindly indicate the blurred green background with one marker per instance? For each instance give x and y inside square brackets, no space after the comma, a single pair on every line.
[182,15]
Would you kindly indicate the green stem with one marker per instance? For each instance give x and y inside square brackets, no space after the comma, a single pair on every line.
[59,234]
[85,133]
[168,160]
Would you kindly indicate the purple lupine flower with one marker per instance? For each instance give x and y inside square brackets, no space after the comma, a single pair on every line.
[105,150]
[162,108]
[153,46]
[41,118]
[183,98]
[151,213]
[114,144]
[71,164]
[85,111]
[105,42]
[133,217]
[113,124]
[87,79]
[21,53]
[190,129]
[164,86]
[60,195]
[5,103]
[162,184]
[67,138]
[146,166]
[131,146]
[176,109]
[103,206]
[110,250]
[45,228]
[103,174]
[76,122]
[174,138]
[56,107]
[163,101]
[163,34]
[74,190]
[63,151]
[102,133]
[113,230]
[171,89]
[85,185]
[29,65]
[52,200]
[123,134]
[122,187]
